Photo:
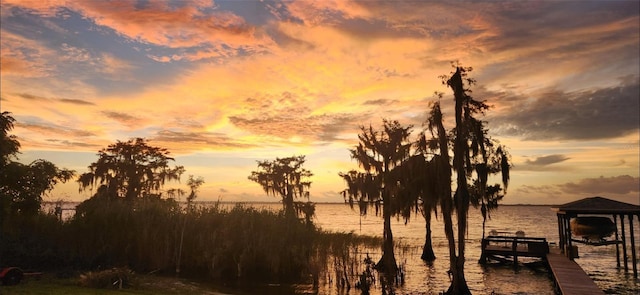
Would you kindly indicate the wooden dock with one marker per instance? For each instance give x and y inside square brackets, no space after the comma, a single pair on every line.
[503,248]
[569,277]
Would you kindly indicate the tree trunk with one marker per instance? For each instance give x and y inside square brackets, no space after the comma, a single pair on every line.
[387,263]
[483,257]
[289,211]
[427,250]
[447,212]
[459,283]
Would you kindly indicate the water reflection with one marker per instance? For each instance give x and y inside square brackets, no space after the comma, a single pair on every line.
[535,221]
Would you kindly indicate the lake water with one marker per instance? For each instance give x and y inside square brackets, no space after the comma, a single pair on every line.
[535,221]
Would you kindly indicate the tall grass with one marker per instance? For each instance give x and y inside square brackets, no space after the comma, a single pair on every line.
[238,244]
[32,241]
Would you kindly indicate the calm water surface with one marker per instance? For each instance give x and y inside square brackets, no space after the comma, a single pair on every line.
[535,221]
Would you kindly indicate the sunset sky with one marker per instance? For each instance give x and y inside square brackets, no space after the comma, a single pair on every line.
[222,84]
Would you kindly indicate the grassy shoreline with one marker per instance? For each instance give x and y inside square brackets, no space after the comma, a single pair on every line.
[143,285]
[216,248]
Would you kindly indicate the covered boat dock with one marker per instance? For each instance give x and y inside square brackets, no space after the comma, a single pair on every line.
[599,206]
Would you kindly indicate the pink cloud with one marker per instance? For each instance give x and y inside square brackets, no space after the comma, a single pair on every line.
[215,33]
[23,57]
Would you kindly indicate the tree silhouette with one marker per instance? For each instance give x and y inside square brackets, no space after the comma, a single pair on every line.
[380,154]
[9,144]
[438,172]
[426,177]
[473,156]
[22,186]
[285,177]
[130,169]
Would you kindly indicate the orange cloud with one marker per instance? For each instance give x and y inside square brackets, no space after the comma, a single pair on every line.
[214,34]
[181,25]
[23,57]
[46,8]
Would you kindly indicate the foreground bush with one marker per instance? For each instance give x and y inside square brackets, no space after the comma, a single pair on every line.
[32,241]
[115,278]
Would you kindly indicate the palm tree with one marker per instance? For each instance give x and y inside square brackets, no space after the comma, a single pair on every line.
[379,154]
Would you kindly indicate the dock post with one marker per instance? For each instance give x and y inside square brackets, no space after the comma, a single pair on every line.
[624,244]
[569,243]
[567,237]
[483,246]
[633,248]
[560,232]
[514,248]
[615,222]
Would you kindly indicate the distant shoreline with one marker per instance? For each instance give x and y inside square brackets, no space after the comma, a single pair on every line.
[273,203]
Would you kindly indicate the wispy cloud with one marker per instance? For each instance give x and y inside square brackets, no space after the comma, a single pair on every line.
[380,102]
[547,160]
[53,130]
[76,101]
[31,97]
[73,144]
[193,141]
[24,57]
[124,118]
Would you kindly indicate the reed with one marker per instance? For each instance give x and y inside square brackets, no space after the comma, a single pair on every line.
[32,241]
[238,244]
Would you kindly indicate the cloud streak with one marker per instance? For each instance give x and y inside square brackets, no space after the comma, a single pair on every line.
[541,163]
[198,140]
[35,98]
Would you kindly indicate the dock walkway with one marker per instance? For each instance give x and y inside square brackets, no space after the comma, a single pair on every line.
[569,276]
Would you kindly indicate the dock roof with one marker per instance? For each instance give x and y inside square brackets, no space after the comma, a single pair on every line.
[597,205]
